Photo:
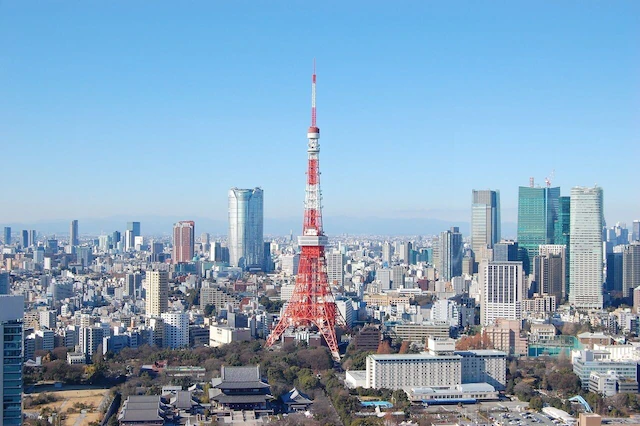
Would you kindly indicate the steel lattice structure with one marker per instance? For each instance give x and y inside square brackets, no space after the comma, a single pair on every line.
[312,303]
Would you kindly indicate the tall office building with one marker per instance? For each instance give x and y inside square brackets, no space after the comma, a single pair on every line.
[406,252]
[635,230]
[7,235]
[11,357]
[205,240]
[485,220]
[549,271]
[397,276]
[450,254]
[501,291]
[613,279]
[33,237]
[537,214]
[73,233]
[157,300]
[587,220]
[246,228]
[5,283]
[335,268]
[631,268]
[183,241]
[386,252]
[25,238]
[133,231]
[268,262]
[132,285]
[561,232]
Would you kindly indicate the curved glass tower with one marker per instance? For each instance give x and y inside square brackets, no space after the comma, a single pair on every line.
[246,245]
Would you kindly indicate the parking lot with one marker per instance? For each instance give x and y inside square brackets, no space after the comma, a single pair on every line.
[501,413]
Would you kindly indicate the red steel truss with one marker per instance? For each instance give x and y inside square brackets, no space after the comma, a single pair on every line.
[312,303]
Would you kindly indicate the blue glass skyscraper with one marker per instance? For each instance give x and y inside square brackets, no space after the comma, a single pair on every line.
[11,314]
[537,213]
[246,241]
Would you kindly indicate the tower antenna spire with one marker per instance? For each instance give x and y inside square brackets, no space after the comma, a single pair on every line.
[313,95]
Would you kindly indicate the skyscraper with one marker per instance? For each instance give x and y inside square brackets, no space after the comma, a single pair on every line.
[561,231]
[501,291]
[157,300]
[537,214]
[73,233]
[246,228]
[133,231]
[587,219]
[613,279]
[183,241]
[485,220]
[450,254]
[5,283]
[11,315]
[549,271]
[631,268]
[335,268]
[635,231]
[25,238]
[7,235]
[386,252]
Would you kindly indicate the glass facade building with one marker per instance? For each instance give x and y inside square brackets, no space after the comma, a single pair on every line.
[537,214]
[246,240]
[485,220]
[11,315]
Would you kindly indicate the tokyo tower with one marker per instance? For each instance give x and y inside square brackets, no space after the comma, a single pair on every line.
[312,302]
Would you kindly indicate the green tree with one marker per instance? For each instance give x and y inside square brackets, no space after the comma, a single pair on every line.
[209,310]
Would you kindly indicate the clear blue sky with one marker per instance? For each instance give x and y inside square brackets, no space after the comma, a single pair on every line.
[153,107]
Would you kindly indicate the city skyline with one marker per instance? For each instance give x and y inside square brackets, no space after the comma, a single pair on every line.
[454,89]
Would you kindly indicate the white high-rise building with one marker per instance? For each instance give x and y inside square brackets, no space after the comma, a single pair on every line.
[290,263]
[585,246]
[176,330]
[335,268]
[386,252]
[501,291]
[157,297]
[246,241]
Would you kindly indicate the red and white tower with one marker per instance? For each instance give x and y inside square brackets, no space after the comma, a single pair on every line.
[312,302]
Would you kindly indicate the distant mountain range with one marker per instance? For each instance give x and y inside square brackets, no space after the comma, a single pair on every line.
[334,225]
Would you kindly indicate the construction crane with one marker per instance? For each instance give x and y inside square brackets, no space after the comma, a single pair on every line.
[549,178]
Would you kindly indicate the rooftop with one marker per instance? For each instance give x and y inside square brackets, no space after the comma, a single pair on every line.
[420,356]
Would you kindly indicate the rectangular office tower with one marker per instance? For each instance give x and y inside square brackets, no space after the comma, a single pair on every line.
[133,231]
[485,221]
[73,233]
[537,214]
[7,235]
[246,241]
[585,276]
[11,314]
[501,291]
[183,241]
[450,254]
[631,268]
[549,271]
